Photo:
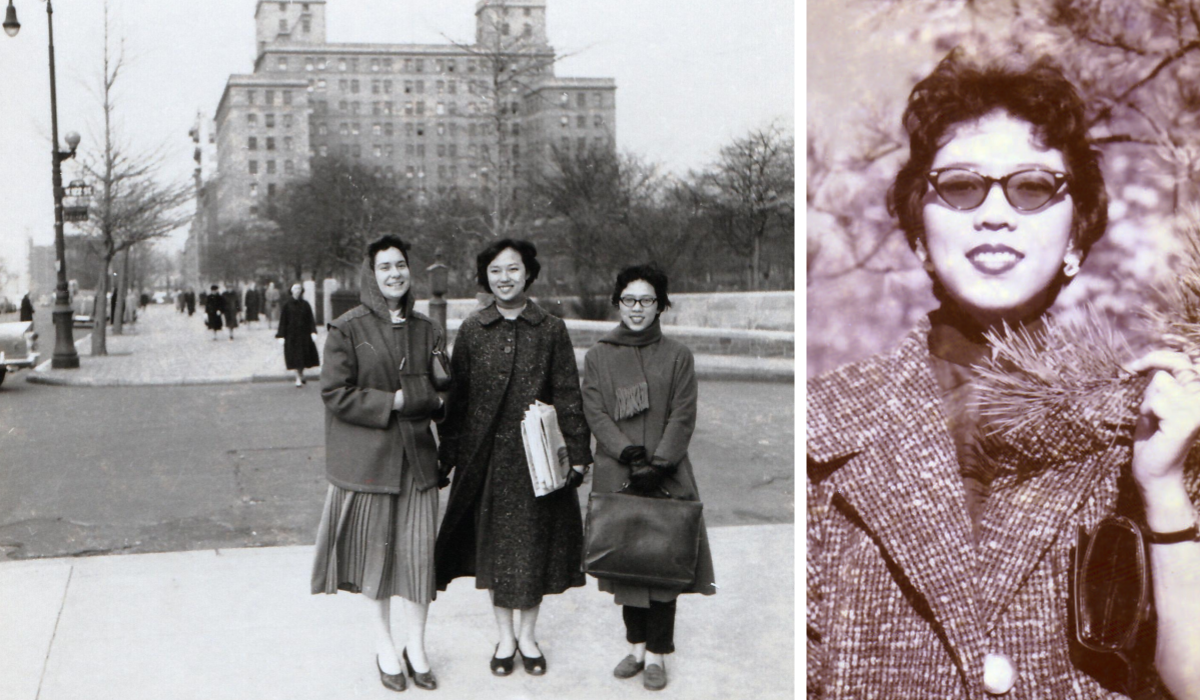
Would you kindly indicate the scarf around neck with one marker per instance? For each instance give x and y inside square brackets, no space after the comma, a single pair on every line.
[629,380]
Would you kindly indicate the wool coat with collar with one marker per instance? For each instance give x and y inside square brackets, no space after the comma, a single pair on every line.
[902,601]
[367,359]
[499,368]
[664,428]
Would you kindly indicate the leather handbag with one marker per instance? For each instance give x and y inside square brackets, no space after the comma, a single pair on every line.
[441,370]
[642,540]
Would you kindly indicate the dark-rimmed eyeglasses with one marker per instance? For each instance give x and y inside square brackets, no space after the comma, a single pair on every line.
[1025,190]
[644,302]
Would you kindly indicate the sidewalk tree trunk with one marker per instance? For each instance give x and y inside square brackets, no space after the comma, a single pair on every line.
[133,205]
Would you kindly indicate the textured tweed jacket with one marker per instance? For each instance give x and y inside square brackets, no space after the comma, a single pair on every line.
[902,602]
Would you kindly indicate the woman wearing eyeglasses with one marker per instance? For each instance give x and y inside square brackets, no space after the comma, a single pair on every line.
[937,565]
[639,396]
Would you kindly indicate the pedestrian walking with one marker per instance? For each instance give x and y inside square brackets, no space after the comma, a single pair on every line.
[214,310]
[942,554]
[518,546]
[272,297]
[253,304]
[189,298]
[297,328]
[231,307]
[179,302]
[26,308]
[639,397]
[377,531]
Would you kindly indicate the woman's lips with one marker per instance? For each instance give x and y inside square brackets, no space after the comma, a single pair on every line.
[994,259]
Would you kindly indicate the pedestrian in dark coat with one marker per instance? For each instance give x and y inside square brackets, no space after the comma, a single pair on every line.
[253,304]
[233,305]
[214,309]
[26,308]
[272,296]
[639,396]
[189,298]
[377,531]
[516,545]
[297,328]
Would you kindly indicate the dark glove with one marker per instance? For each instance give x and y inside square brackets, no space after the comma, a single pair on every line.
[634,455]
[574,479]
[645,478]
[444,475]
[663,466]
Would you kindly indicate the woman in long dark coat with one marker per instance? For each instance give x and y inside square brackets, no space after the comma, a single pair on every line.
[297,328]
[518,546]
[232,306]
[639,396]
[379,386]
[253,304]
[214,308]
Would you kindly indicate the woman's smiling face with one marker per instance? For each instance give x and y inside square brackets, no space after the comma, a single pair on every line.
[506,275]
[392,274]
[995,261]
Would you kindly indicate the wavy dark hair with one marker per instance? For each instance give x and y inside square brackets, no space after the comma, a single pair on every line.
[649,273]
[525,249]
[383,243]
[960,90]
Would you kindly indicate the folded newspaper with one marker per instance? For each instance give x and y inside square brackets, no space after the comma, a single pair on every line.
[545,449]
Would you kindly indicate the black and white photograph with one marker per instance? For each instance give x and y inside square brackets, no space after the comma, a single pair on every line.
[358,347]
[1002,330]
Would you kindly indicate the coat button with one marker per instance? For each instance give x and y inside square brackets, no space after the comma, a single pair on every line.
[999,674]
[507,349]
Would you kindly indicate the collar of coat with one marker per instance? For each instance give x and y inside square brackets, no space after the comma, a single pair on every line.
[879,449]
[532,313]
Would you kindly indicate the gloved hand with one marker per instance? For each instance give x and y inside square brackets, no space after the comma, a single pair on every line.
[634,455]
[645,478]
[444,475]
[575,478]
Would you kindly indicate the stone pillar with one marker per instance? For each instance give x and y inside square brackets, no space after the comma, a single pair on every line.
[330,286]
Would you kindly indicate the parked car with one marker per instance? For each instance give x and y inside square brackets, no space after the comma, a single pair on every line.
[18,346]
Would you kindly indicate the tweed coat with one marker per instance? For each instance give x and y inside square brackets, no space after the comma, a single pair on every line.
[664,429]
[499,368]
[902,602]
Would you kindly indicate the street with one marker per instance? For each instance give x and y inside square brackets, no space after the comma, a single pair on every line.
[155,469]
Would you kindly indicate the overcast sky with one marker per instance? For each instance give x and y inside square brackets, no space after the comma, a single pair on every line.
[691,75]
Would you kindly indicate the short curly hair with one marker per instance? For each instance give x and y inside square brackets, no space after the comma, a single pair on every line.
[525,249]
[649,273]
[960,90]
[384,243]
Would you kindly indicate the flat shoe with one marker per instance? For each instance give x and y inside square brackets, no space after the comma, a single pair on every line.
[655,677]
[390,681]
[534,666]
[502,667]
[426,680]
[629,667]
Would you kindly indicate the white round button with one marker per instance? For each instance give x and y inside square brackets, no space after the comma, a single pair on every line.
[999,674]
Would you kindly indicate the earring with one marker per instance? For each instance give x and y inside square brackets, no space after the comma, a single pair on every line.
[1071,264]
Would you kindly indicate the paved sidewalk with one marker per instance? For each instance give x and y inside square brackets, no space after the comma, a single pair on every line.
[168,348]
[241,624]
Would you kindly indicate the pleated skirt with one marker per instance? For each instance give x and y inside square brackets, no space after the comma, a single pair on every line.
[377,544]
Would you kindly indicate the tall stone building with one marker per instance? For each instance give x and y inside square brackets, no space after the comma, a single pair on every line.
[433,118]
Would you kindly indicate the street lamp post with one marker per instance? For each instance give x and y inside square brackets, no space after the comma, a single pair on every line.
[64,356]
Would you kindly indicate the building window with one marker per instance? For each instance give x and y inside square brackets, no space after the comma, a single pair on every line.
[253,210]
[322,129]
[387,129]
[253,167]
[287,121]
[249,97]
[581,100]
[471,130]
[387,65]
[309,64]
[343,106]
[420,129]
[321,64]
[409,172]
[354,106]
[564,99]
[270,189]
[378,150]
[270,121]
[581,144]
[565,121]
[420,106]
[306,25]
[420,150]
[441,172]
[253,189]
[356,150]
[409,149]
[389,108]
[252,119]
[377,129]
[354,86]
[288,143]
[408,130]
[516,150]
[420,65]
[453,129]
[453,150]
[252,144]
[598,121]
[283,26]
[283,63]
[420,87]
[441,150]
[451,64]
[387,87]
[504,28]
[516,129]
[440,87]
[581,121]
[344,129]
[342,64]
[287,97]
[441,108]
[527,30]
[377,108]
[270,143]
[388,151]
[470,66]
[323,150]
[374,65]
[473,151]
[322,107]
[289,167]
[408,65]
[408,87]
[376,87]
[354,128]
[270,167]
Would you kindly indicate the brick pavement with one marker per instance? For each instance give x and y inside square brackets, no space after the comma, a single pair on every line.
[166,347]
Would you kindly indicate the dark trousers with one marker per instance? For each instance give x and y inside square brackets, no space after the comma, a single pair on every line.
[654,626]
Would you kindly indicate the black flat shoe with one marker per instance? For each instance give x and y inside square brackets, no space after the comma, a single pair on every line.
[534,666]
[394,682]
[425,680]
[502,667]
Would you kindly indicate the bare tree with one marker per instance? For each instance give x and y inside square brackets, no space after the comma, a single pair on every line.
[748,193]
[131,206]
